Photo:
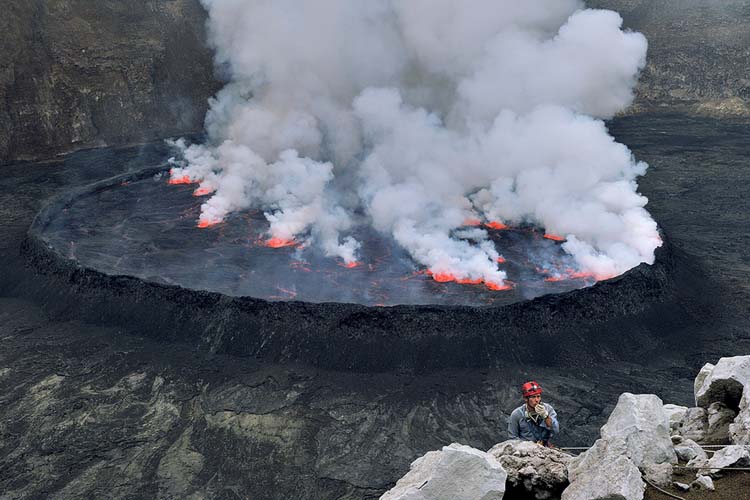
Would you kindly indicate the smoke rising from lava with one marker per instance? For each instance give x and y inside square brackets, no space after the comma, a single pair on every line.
[417,116]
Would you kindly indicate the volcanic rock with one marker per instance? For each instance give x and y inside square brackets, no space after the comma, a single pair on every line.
[723,382]
[534,471]
[703,483]
[675,413]
[604,472]
[729,456]
[694,424]
[457,472]
[688,450]
[739,430]
[719,419]
[641,422]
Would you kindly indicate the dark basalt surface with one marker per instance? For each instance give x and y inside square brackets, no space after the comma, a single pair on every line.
[345,336]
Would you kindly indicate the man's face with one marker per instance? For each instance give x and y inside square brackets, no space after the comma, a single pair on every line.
[532,401]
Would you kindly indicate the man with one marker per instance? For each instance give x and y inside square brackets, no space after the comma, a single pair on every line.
[534,421]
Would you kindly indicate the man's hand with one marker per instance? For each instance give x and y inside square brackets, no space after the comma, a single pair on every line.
[541,410]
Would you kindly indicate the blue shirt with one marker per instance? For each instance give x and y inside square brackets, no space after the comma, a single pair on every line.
[521,425]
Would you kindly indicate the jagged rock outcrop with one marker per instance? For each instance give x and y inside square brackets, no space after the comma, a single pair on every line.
[739,430]
[534,471]
[635,439]
[723,382]
[641,422]
[457,472]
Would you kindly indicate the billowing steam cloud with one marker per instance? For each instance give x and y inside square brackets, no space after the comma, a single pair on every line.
[418,115]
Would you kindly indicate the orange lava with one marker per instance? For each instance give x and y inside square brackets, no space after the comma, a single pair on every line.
[554,237]
[472,222]
[447,278]
[497,225]
[279,243]
[180,180]
[499,288]
[350,265]
[203,224]
[203,191]
[501,260]
[555,279]
[467,281]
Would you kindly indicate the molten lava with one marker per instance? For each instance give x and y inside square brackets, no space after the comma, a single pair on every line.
[501,260]
[496,225]
[472,222]
[349,265]
[448,278]
[202,191]
[203,224]
[279,243]
[554,237]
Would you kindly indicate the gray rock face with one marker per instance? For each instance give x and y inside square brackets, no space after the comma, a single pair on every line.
[640,421]
[457,472]
[534,471]
[78,74]
[723,382]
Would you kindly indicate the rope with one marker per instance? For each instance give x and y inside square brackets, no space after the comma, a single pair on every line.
[663,491]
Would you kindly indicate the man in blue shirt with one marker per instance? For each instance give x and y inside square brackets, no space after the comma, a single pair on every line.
[534,421]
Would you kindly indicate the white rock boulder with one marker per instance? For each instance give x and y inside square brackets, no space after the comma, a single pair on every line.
[729,456]
[641,422]
[604,472]
[723,382]
[457,472]
[534,471]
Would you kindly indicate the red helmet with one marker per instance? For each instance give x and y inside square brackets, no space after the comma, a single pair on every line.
[531,388]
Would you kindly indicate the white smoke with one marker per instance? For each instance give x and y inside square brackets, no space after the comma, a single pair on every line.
[423,114]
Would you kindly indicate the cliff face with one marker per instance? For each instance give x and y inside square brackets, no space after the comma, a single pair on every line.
[698,57]
[77,73]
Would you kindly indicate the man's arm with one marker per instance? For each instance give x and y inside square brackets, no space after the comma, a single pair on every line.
[514,430]
[551,421]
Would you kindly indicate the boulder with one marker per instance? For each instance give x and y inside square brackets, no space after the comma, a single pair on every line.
[719,418]
[739,430]
[658,474]
[675,414]
[703,483]
[694,424]
[604,474]
[534,471]
[681,486]
[729,456]
[688,449]
[723,382]
[641,422]
[457,472]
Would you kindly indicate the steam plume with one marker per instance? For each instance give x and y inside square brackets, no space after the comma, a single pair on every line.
[421,115]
